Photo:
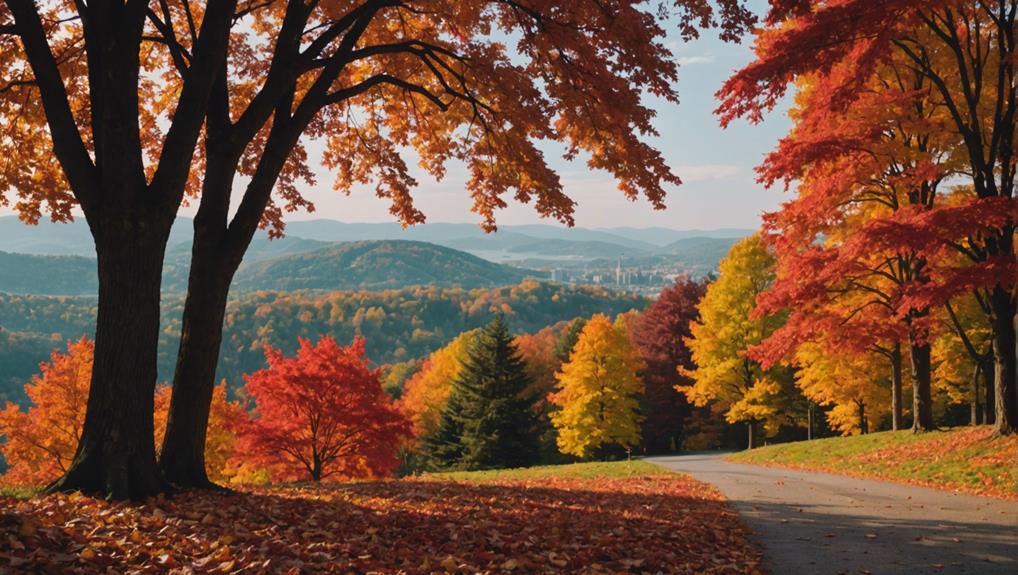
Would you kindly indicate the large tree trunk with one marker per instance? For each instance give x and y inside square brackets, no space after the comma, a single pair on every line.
[751,429]
[116,454]
[182,457]
[922,402]
[1002,303]
[864,426]
[896,387]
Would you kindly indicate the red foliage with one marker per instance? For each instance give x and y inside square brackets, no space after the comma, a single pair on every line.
[659,334]
[322,413]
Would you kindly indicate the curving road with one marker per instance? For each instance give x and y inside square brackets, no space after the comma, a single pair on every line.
[819,524]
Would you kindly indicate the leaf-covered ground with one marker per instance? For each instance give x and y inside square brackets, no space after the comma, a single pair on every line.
[964,459]
[625,518]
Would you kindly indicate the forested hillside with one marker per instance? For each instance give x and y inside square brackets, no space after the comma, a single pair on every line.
[389,264]
[285,264]
[398,324]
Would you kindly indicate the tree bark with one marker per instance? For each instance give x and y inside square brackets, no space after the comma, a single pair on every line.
[751,427]
[864,426]
[809,420]
[1002,303]
[975,409]
[896,387]
[922,403]
[989,391]
[216,253]
[116,455]
[182,457]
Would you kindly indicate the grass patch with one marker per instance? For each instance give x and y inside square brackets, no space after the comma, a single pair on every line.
[18,491]
[593,470]
[966,459]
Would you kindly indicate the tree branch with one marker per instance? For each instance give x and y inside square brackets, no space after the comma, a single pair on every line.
[68,146]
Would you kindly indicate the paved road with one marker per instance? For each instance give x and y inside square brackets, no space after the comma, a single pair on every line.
[819,524]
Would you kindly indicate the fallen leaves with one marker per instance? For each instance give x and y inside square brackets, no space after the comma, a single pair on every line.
[654,524]
[968,459]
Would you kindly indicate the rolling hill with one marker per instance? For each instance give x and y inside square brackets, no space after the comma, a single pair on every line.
[286,264]
[382,264]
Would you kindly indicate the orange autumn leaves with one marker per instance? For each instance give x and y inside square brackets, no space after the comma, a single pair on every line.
[544,525]
[302,406]
[40,442]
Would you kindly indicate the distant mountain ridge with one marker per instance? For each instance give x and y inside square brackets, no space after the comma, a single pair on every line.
[74,238]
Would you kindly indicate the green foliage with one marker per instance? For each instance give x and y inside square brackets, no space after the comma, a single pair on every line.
[565,344]
[590,470]
[489,421]
[395,376]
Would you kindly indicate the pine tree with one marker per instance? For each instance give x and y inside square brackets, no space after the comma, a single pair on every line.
[565,344]
[489,421]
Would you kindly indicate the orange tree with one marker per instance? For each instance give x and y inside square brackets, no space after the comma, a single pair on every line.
[142,102]
[78,85]
[40,441]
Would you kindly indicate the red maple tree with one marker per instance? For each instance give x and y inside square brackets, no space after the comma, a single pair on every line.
[956,55]
[322,413]
[659,334]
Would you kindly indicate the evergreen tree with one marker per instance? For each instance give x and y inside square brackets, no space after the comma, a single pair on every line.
[489,421]
[565,344]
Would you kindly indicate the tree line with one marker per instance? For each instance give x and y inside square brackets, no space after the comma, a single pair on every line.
[398,325]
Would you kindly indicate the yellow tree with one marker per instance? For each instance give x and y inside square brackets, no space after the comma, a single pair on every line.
[963,356]
[726,377]
[598,391]
[853,384]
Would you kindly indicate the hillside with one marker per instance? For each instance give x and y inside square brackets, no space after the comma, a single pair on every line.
[47,275]
[966,459]
[397,324]
[286,264]
[389,264]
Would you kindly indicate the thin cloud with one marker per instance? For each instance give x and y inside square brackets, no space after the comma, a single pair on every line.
[690,60]
[706,172]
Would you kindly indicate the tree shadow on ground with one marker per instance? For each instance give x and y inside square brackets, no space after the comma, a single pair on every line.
[666,524]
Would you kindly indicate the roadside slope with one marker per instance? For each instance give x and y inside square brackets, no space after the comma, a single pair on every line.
[967,459]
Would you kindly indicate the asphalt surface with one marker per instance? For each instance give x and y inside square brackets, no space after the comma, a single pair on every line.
[818,524]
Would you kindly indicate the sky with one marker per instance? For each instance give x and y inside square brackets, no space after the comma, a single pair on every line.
[716,165]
